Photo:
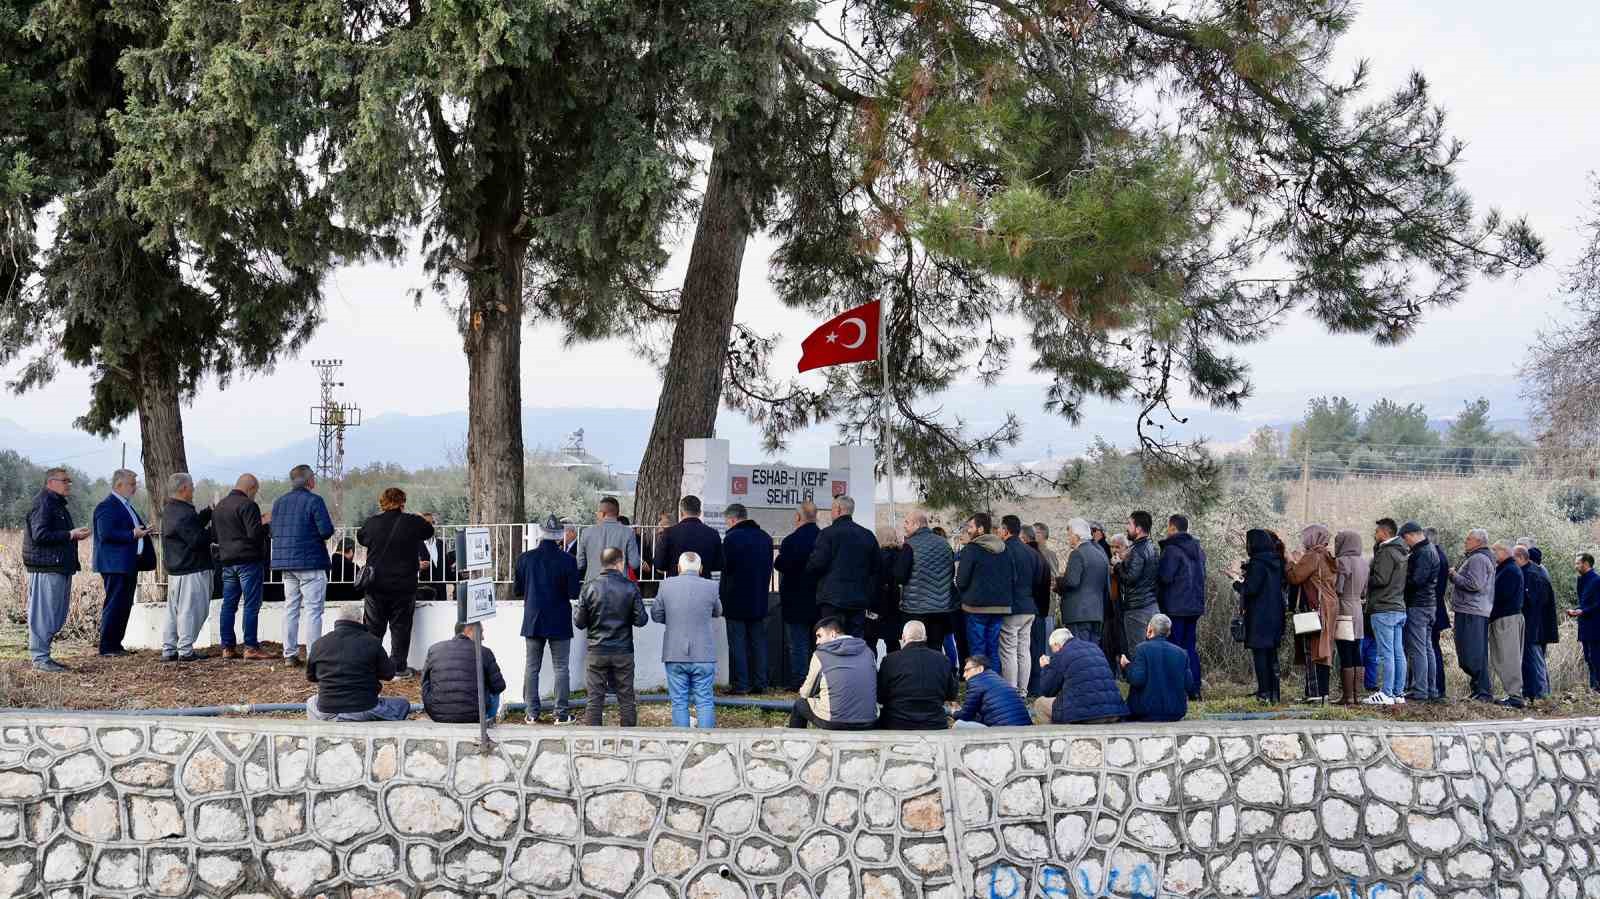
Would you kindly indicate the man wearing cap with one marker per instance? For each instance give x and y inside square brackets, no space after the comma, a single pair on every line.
[1422,575]
[547,581]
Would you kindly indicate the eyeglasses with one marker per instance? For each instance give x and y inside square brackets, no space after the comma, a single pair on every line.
[62,480]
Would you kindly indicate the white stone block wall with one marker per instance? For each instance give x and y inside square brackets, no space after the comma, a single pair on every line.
[128,806]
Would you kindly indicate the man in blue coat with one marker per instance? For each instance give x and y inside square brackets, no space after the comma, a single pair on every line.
[1181,590]
[1076,684]
[990,702]
[689,535]
[744,591]
[301,527]
[797,594]
[1588,615]
[547,581]
[1158,675]
[1541,625]
[845,562]
[122,549]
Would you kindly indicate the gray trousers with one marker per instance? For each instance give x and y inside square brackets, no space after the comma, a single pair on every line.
[389,708]
[49,598]
[1505,653]
[188,603]
[560,653]
[1420,663]
[1134,623]
[1014,650]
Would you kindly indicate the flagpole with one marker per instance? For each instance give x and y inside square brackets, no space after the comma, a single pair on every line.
[885,437]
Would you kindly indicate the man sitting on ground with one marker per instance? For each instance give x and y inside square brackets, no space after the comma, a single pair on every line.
[840,691]
[914,683]
[346,664]
[1158,675]
[1078,687]
[991,702]
[449,690]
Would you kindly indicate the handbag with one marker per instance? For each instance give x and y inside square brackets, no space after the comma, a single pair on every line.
[1307,623]
[366,575]
[1345,628]
[1236,628]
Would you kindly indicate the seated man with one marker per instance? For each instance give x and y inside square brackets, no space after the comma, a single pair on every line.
[449,689]
[346,665]
[1159,676]
[840,691]
[914,683]
[991,702]
[1078,686]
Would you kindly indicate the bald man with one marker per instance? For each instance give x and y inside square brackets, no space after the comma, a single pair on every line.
[242,549]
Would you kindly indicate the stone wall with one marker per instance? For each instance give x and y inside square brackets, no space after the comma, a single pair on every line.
[115,806]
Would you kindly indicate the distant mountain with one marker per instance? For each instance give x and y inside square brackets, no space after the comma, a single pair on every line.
[619,435]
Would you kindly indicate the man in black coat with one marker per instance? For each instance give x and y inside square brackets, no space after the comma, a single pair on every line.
[797,593]
[347,664]
[845,563]
[186,537]
[690,534]
[393,539]
[50,556]
[914,683]
[449,687]
[242,540]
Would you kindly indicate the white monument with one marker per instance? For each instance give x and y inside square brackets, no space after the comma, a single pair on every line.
[773,492]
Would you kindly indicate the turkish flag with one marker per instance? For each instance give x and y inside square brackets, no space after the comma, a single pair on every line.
[850,336]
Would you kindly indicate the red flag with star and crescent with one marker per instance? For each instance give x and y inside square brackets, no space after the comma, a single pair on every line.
[850,336]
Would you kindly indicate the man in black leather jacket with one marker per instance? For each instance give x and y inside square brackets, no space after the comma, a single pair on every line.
[609,608]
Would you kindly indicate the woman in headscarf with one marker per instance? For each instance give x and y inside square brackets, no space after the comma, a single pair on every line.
[1260,588]
[1351,585]
[1312,569]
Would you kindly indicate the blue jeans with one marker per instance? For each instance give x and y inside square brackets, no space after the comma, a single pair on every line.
[1419,654]
[49,598]
[1369,660]
[691,682]
[747,655]
[797,637]
[983,637]
[389,708]
[1389,630]
[559,656]
[243,580]
[1185,631]
[491,706]
[1535,672]
[308,589]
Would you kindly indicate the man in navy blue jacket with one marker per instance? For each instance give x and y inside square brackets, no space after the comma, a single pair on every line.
[1076,684]
[547,582]
[689,535]
[797,594]
[1541,625]
[845,562]
[301,527]
[1181,590]
[50,556]
[991,702]
[122,549]
[1588,615]
[1158,675]
[744,591]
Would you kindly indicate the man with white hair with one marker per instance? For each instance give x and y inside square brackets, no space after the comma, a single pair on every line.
[686,604]
[845,563]
[1077,686]
[122,549]
[1472,601]
[1158,675]
[347,665]
[914,683]
[1085,588]
[186,537]
[301,527]
[1506,622]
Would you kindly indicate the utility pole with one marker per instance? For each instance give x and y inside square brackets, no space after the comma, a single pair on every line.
[331,418]
[1305,482]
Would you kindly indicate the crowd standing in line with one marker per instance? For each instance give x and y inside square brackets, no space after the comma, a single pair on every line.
[1014,618]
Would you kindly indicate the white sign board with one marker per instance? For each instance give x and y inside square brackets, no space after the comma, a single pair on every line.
[478,552]
[784,487]
[478,599]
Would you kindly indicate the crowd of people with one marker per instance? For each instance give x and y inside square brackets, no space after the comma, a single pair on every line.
[999,608]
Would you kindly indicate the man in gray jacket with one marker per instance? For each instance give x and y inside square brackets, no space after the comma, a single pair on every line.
[1136,578]
[606,533]
[686,604]
[1086,586]
[925,569]
[1472,601]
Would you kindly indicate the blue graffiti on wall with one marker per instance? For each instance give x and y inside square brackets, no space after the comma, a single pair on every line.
[1007,882]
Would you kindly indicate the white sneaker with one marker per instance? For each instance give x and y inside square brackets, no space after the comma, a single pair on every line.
[1379,698]
[1399,700]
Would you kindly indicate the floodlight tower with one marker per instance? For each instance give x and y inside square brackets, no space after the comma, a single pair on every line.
[331,418]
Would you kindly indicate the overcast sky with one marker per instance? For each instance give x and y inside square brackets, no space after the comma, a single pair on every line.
[1518,81]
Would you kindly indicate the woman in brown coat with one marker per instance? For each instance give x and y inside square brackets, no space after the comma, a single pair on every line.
[1312,569]
[1351,585]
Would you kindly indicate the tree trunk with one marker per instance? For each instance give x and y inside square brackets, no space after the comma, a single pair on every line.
[160,432]
[494,324]
[691,385]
